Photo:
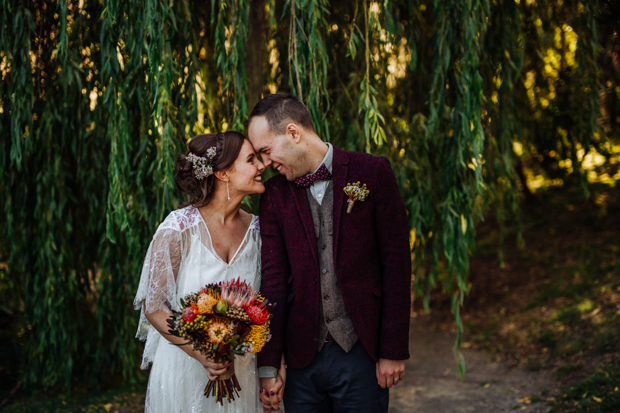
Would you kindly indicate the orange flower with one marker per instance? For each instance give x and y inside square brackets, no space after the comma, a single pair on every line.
[206,302]
[219,329]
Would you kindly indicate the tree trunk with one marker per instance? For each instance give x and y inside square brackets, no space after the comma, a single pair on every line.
[255,49]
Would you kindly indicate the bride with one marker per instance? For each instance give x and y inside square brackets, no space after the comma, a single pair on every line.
[208,241]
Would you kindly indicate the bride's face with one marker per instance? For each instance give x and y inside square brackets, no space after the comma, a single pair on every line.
[245,175]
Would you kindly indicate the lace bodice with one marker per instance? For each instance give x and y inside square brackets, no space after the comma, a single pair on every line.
[181,260]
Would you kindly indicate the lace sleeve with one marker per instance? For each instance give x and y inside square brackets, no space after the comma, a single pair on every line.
[157,289]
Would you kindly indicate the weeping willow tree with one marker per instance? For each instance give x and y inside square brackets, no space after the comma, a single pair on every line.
[97,98]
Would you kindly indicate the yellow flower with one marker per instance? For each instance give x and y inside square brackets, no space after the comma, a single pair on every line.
[218,329]
[257,336]
[206,302]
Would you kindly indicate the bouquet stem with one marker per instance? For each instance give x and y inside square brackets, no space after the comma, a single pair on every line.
[226,385]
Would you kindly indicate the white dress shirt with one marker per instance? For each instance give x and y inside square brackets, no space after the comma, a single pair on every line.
[318,188]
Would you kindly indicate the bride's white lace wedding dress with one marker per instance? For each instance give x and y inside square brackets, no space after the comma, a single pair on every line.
[181,260]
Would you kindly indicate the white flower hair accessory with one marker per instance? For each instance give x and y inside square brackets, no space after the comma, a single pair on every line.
[203,166]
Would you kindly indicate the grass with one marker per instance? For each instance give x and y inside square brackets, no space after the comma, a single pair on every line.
[126,399]
[555,303]
[599,393]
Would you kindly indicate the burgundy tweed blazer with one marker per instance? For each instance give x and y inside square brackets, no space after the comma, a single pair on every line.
[371,257]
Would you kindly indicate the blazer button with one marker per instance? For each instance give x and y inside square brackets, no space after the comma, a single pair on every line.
[324,271]
[328,320]
[326,296]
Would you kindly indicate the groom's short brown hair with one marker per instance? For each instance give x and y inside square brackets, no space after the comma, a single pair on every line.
[280,109]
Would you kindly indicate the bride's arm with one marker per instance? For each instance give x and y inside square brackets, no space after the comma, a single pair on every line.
[158,320]
[162,270]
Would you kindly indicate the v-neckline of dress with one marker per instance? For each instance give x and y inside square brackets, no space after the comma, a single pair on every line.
[214,252]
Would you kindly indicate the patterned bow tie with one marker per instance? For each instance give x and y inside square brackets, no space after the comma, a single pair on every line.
[322,174]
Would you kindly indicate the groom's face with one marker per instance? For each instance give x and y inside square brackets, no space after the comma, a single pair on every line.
[277,151]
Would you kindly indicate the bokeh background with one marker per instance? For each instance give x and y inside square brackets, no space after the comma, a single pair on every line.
[500,118]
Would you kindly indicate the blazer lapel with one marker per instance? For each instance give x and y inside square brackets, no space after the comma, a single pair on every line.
[340,169]
[301,200]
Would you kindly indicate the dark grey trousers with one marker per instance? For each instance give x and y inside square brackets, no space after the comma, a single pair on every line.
[336,382]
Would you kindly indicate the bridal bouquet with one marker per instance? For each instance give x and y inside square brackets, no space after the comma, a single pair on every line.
[222,320]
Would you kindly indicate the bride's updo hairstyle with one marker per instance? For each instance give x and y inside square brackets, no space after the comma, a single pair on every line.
[227,147]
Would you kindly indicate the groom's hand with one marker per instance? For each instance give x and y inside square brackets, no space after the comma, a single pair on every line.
[390,372]
[268,397]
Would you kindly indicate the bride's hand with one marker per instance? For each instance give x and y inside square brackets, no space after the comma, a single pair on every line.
[214,370]
[277,390]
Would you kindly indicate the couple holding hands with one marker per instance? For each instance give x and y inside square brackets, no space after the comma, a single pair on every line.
[331,249]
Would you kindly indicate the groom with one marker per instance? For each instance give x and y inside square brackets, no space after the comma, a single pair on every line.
[340,277]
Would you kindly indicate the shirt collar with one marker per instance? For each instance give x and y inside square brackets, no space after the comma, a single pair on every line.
[328,160]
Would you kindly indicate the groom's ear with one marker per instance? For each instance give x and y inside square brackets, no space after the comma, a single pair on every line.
[293,131]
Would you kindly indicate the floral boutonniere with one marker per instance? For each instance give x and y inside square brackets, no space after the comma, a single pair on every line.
[355,192]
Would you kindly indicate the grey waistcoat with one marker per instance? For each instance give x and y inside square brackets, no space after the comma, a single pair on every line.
[333,315]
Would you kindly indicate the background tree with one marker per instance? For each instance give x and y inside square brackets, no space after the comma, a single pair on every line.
[465,98]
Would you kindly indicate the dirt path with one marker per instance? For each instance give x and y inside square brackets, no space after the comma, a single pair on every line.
[432,385]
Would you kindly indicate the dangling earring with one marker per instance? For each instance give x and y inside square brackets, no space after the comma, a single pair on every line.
[227,191]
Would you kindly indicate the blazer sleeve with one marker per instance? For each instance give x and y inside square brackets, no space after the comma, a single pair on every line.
[392,228]
[275,274]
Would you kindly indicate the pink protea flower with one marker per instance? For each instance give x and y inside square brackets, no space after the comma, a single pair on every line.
[237,293]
